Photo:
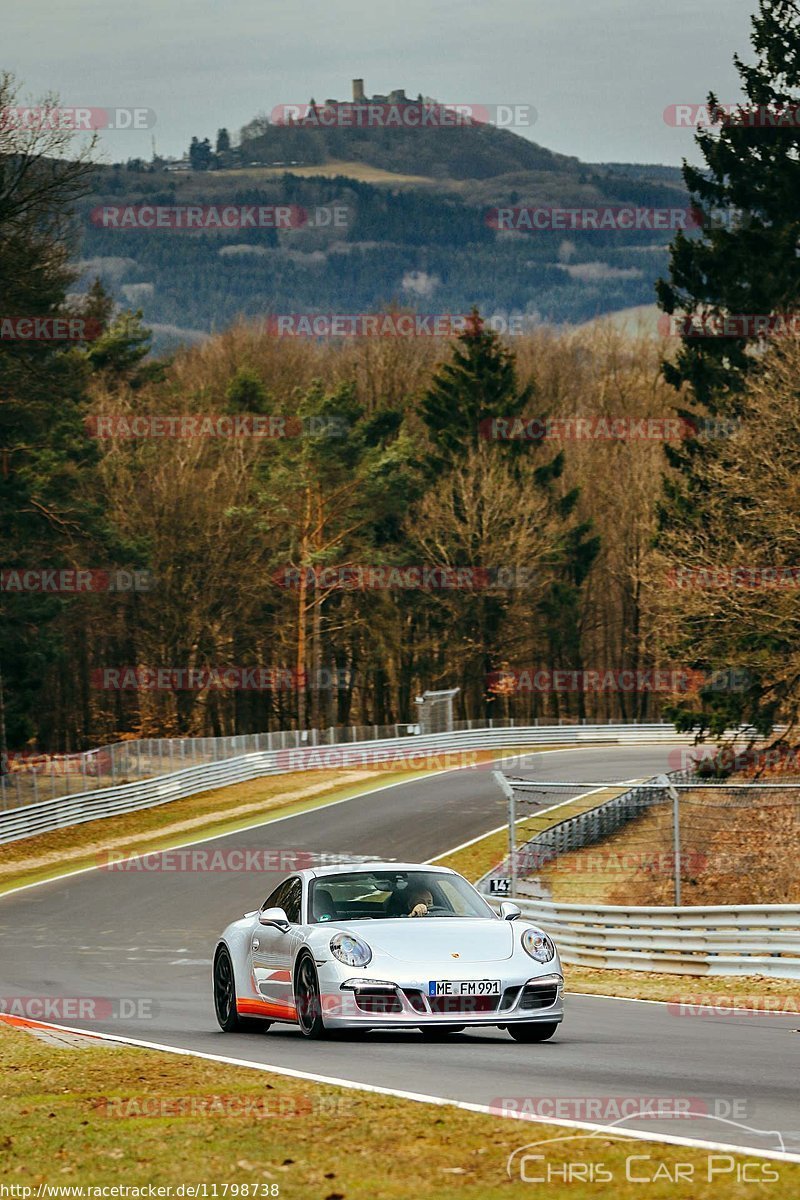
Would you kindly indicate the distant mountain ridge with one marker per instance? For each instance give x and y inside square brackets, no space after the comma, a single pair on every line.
[420,234]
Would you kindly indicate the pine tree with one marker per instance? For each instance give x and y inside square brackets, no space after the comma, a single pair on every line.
[480,382]
[49,495]
[746,260]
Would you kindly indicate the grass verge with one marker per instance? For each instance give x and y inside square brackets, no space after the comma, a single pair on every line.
[222,810]
[752,991]
[212,813]
[475,860]
[98,1115]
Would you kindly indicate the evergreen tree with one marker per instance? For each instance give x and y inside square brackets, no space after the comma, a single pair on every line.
[746,259]
[480,382]
[119,351]
[49,495]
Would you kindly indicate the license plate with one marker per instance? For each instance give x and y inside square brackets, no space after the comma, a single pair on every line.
[464,987]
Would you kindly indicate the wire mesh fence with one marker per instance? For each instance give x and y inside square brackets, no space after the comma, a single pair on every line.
[29,777]
[692,843]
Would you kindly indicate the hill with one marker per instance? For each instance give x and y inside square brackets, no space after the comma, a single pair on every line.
[417,232]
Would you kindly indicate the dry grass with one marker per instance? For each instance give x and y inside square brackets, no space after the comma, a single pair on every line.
[584,878]
[219,811]
[68,1119]
[475,860]
[743,853]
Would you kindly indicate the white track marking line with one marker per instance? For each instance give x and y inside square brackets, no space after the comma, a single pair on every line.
[761,1012]
[384,787]
[212,837]
[421,1097]
[601,995]
[539,813]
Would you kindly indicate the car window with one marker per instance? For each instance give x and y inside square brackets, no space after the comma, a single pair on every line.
[278,898]
[359,895]
[292,899]
[454,899]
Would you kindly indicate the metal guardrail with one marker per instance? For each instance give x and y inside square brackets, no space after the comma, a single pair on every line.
[29,777]
[414,753]
[592,826]
[726,939]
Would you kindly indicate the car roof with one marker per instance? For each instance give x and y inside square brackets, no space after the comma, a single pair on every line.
[351,868]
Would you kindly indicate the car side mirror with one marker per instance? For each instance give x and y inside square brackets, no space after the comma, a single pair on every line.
[275,917]
[509,911]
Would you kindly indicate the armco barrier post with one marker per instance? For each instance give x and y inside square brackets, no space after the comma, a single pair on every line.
[676,835]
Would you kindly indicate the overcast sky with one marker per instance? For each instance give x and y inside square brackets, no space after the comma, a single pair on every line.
[599,72]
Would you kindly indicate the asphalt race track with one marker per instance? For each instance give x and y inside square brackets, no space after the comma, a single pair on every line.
[150,935]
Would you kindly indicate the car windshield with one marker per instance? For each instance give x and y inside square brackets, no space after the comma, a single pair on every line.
[365,895]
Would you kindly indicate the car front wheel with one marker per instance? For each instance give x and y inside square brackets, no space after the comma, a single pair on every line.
[307,999]
[533,1031]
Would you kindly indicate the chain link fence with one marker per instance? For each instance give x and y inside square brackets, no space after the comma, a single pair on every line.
[677,839]
[31,777]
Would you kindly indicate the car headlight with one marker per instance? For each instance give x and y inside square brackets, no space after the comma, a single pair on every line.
[350,949]
[538,945]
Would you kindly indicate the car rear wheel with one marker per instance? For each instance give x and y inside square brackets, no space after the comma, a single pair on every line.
[435,1033]
[533,1031]
[307,999]
[225,998]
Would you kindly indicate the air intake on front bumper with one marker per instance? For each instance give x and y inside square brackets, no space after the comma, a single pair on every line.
[538,995]
[377,1001]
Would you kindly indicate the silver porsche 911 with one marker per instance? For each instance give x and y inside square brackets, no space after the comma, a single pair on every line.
[386,946]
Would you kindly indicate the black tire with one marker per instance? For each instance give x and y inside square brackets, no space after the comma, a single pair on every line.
[533,1031]
[307,999]
[437,1033]
[228,1018]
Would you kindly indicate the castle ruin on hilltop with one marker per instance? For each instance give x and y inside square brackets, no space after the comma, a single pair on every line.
[397,96]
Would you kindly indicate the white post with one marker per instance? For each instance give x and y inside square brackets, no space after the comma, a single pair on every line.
[508,792]
[676,834]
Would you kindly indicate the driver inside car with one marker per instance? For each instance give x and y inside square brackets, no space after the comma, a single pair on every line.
[419,901]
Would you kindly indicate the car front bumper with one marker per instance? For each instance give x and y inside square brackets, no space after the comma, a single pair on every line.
[372,1000]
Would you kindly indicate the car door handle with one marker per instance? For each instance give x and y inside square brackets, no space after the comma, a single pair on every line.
[256,943]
